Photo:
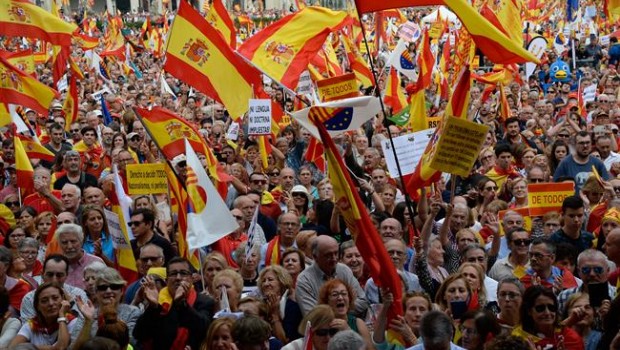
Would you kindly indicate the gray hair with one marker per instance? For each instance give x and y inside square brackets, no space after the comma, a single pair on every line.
[70,228]
[591,254]
[160,250]
[511,280]
[95,267]
[28,242]
[346,340]
[110,275]
[436,330]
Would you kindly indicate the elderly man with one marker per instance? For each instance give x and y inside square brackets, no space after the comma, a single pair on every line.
[518,243]
[55,269]
[288,228]
[151,255]
[325,267]
[44,199]
[175,315]
[71,198]
[228,244]
[73,166]
[71,239]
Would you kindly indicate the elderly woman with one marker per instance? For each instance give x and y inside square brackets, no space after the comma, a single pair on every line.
[248,265]
[213,263]
[91,271]
[294,262]
[322,320]
[109,287]
[275,285]
[52,325]
[229,282]
[28,249]
[350,256]
[509,296]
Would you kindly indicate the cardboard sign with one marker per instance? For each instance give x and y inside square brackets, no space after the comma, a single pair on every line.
[114,226]
[259,116]
[545,197]
[458,146]
[589,93]
[409,150]
[146,178]
[433,122]
[304,86]
[337,88]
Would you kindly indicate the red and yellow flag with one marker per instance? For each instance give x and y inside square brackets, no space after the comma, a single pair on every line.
[22,18]
[495,44]
[85,42]
[218,17]
[70,105]
[394,94]
[199,56]
[284,49]
[23,167]
[19,88]
[22,60]
[357,63]
[425,61]
[60,56]
[35,149]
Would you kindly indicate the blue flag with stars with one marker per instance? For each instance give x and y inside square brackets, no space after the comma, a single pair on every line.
[334,119]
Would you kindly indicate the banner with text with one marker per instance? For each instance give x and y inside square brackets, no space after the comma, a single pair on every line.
[114,228]
[409,150]
[146,178]
[337,88]
[545,197]
[259,115]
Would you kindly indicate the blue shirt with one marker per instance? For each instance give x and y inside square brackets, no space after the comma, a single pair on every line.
[580,172]
[107,247]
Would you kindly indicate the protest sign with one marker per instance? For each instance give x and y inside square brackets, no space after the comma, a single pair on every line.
[304,86]
[589,93]
[525,212]
[259,116]
[545,197]
[146,178]
[409,150]
[114,227]
[458,146]
[337,88]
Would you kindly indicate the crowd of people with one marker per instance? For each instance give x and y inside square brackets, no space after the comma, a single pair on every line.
[477,271]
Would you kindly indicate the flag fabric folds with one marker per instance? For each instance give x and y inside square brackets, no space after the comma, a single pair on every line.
[358,222]
[23,167]
[218,17]
[34,149]
[70,105]
[401,60]
[284,49]
[121,202]
[394,95]
[20,88]
[22,60]
[357,63]
[495,44]
[199,56]
[24,19]
[107,117]
[208,217]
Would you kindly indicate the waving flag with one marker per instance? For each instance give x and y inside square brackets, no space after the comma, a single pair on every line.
[70,105]
[23,167]
[34,149]
[22,18]
[284,49]
[199,56]
[107,117]
[495,44]
[611,9]
[22,89]
[208,217]
[121,202]
[357,63]
[425,62]
[22,60]
[358,222]
[85,42]
[340,115]
[401,60]
[394,95]
[218,17]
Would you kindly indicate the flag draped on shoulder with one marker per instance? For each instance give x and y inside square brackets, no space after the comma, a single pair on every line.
[208,217]
[25,19]
[218,17]
[284,49]
[358,222]
[494,43]
[199,56]
[19,88]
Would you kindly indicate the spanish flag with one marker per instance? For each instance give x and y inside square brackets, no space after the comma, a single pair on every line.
[357,63]
[22,18]
[495,44]
[23,167]
[35,150]
[199,56]
[394,95]
[85,42]
[612,9]
[20,88]
[218,17]
[70,105]
[284,49]
[22,60]
[358,222]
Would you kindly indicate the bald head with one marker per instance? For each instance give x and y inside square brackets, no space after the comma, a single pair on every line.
[325,253]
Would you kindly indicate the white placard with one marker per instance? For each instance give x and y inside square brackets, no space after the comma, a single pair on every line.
[604,40]
[260,117]
[304,86]
[233,132]
[114,226]
[589,93]
[409,149]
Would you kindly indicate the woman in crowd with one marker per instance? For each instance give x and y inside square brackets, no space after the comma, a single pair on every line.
[487,191]
[581,314]
[53,323]
[43,224]
[28,250]
[455,295]
[415,305]
[350,256]
[230,282]
[477,328]
[248,265]
[429,258]
[91,271]
[294,262]
[559,151]
[300,202]
[475,278]
[14,237]
[97,240]
[305,179]
[388,197]
[9,326]
[509,296]
[323,323]
[519,194]
[219,335]
[214,262]
[341,298]
[25,219]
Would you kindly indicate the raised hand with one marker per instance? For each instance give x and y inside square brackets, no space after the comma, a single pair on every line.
[87,308]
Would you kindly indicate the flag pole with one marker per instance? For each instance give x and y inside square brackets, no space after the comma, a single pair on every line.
[398,167]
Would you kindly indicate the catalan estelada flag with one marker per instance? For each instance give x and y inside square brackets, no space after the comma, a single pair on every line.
[358,222]
[495,44]
[284,49]
[23,167]
[24,19]
[22,60]
[199,56]
[218,17]
[20,88]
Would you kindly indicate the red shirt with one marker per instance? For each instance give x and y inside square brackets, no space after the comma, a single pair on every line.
[227,246]
[40,203]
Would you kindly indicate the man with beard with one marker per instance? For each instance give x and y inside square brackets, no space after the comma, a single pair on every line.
[579,165]
[57,143]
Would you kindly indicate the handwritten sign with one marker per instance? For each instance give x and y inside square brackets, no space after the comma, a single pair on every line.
[259,117]
[147,178]
[337,88]
[409,150]
[545,197]
[458,146]
[304,86]
[116,233]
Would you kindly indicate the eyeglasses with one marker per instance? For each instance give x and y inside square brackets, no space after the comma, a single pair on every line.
[326,331]
[536,255]
[564,135]
[491,188]
[259,182]
[182,273]
[298,194]
[134,223]
[543,307]
[597,270]
[104,287]
[509,296]
[147,259]
[75,130]
[536,180]
[521,242]
[335,295]
[12,204]
[55,274]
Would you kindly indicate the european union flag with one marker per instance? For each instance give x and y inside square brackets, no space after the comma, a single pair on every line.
[572,6]
[334,119]
[107,117]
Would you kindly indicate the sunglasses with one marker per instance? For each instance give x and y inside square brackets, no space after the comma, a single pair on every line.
[298,194]
[543,307]
[75,130]
[259,182]
[521,242]
[564,135]
[587,269]
[536,180]
[325,331]
[12,204]
[275,173]
[104,287]
[134,223]
[147,259]
[55,274]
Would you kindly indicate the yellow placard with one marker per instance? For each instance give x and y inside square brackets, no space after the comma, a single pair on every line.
[146,178]
[545,197]
[458,146]
[433,122]
[337,88]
